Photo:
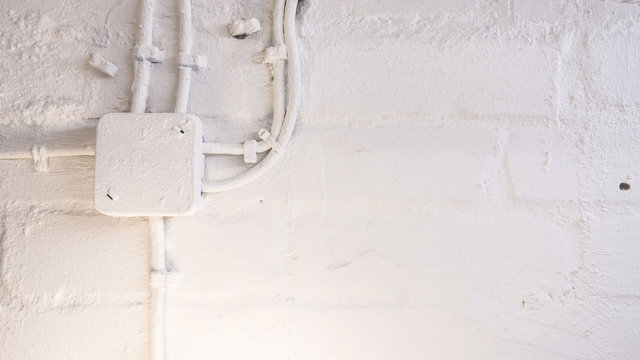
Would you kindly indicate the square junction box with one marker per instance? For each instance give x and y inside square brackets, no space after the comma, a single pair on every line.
[148,164]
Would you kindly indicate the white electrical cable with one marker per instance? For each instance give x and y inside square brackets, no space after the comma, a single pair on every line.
[158,291]
[140,87]
[231,149]
[278,67]
[158,263]
[51,152]
[40,154]
[290,118]
[185,44]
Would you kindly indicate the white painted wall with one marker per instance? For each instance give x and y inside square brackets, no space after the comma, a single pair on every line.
[451,191]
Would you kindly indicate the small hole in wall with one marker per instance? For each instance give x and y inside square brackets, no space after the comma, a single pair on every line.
[624,186]
[109,196]
[181,131]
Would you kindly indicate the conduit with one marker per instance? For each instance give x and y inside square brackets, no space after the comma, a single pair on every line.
[231,149]
[157,280]
[51,152]
[158,265]
[143,57]
[278,64]
[184,71]
[279,138]
[41,154]
[278,68]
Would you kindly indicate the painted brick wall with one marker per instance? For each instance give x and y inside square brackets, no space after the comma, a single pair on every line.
[451,192]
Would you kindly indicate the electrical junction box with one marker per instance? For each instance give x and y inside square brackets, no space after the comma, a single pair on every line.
[148,164]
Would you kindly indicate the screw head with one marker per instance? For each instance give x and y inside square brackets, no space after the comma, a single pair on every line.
[112,194]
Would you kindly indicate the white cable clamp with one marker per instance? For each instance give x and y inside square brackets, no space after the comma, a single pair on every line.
[240,29]
[103,65]
[40,158]
[149,53]
[159,278]
[196,62]
[266,137]
[250,151]
[275,53]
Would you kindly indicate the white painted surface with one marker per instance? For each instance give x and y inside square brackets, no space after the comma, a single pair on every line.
[242,28]
[103,65]
[148,164]
[451,189]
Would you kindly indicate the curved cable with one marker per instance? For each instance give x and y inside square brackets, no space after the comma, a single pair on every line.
[279,89]
[293,105]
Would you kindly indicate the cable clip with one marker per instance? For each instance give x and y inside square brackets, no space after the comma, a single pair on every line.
[240,29]
[250,151]
[161,278]
[270,140]
[149,53]
[196,62]
[274,53]
[103,65]
[40,158]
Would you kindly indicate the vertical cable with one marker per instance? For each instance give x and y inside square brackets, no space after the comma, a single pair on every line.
[140,89]
[185,43]
[158,266]
[140,86]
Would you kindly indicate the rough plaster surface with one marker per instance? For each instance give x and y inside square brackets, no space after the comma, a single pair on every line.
[451,191]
